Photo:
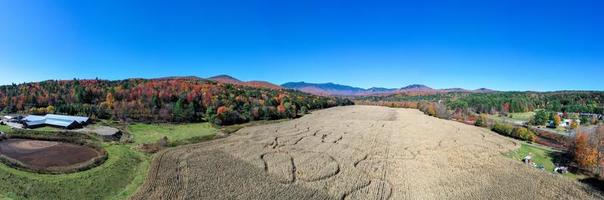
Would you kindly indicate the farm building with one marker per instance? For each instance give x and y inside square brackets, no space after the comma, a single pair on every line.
[11,118]
[61,121]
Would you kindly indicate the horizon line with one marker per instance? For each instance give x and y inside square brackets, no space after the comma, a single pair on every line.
[317,83]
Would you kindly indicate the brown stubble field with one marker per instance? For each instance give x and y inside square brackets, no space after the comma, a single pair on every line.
[47,155]
[354,152]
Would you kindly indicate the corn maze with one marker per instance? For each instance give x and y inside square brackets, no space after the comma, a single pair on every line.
[354,152]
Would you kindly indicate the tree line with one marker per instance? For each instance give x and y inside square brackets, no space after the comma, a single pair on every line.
[155,100]
[508,102]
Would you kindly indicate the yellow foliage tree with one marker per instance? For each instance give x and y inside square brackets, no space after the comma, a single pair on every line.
[109,100]
[482,121]
[557,120]
[50,109]
[574,124]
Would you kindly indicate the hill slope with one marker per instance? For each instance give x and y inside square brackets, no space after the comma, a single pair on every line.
[166,99]
[225,79]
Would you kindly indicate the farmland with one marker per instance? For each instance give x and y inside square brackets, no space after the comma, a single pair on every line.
[49,155]
[150,133]
[354,152]
[117,178]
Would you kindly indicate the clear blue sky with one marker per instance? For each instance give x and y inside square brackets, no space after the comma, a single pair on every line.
[505,45]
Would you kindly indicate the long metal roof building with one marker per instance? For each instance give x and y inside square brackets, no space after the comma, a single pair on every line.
[63,121]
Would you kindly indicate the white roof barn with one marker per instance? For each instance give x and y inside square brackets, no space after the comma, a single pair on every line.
[63,121]
[81,120]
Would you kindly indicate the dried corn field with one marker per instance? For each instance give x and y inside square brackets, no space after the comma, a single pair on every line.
[354,152]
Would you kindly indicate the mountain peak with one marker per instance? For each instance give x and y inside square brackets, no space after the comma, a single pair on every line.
[225,79]
[231,80]
[178,77]
[416,87]
[485,90]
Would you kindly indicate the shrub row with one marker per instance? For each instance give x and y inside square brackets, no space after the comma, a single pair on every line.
[515,132]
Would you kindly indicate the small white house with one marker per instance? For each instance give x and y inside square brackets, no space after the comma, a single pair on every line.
[528,159]
[564,123]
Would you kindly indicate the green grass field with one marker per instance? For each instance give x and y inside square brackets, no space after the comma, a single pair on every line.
[525,116]
[5,128]
[48,128]
[234,128]
[541,155]
[117,178]
[176,133]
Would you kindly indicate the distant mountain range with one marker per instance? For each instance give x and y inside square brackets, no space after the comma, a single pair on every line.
[324,88]
[332,89]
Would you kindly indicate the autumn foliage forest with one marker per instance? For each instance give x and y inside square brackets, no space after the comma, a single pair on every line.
[160,100]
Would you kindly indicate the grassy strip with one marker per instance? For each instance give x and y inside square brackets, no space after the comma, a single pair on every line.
[525,116]
[5,128]
[49,129]
[176,133]
[541,155]
[139,178]
[117,178]
[234,128]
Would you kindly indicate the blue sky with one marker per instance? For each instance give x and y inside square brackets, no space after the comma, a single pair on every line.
[504,45]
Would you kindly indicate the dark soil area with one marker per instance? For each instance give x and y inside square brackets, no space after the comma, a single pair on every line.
[39,154]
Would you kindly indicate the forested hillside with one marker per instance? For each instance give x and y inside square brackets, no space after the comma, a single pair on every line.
[173,100]
[563,101]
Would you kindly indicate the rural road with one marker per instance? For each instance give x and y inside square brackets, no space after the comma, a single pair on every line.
[354,152]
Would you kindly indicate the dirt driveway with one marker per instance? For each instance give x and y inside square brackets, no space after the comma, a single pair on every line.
[354,152]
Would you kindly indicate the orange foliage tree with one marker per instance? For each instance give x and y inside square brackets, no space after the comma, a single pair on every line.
[431,110]
[585,153]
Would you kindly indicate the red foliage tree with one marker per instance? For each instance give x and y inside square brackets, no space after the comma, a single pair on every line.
[281,108]
[221,110]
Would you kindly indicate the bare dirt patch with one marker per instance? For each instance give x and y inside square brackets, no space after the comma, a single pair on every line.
[29,145]
[40,155]
[354,152]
